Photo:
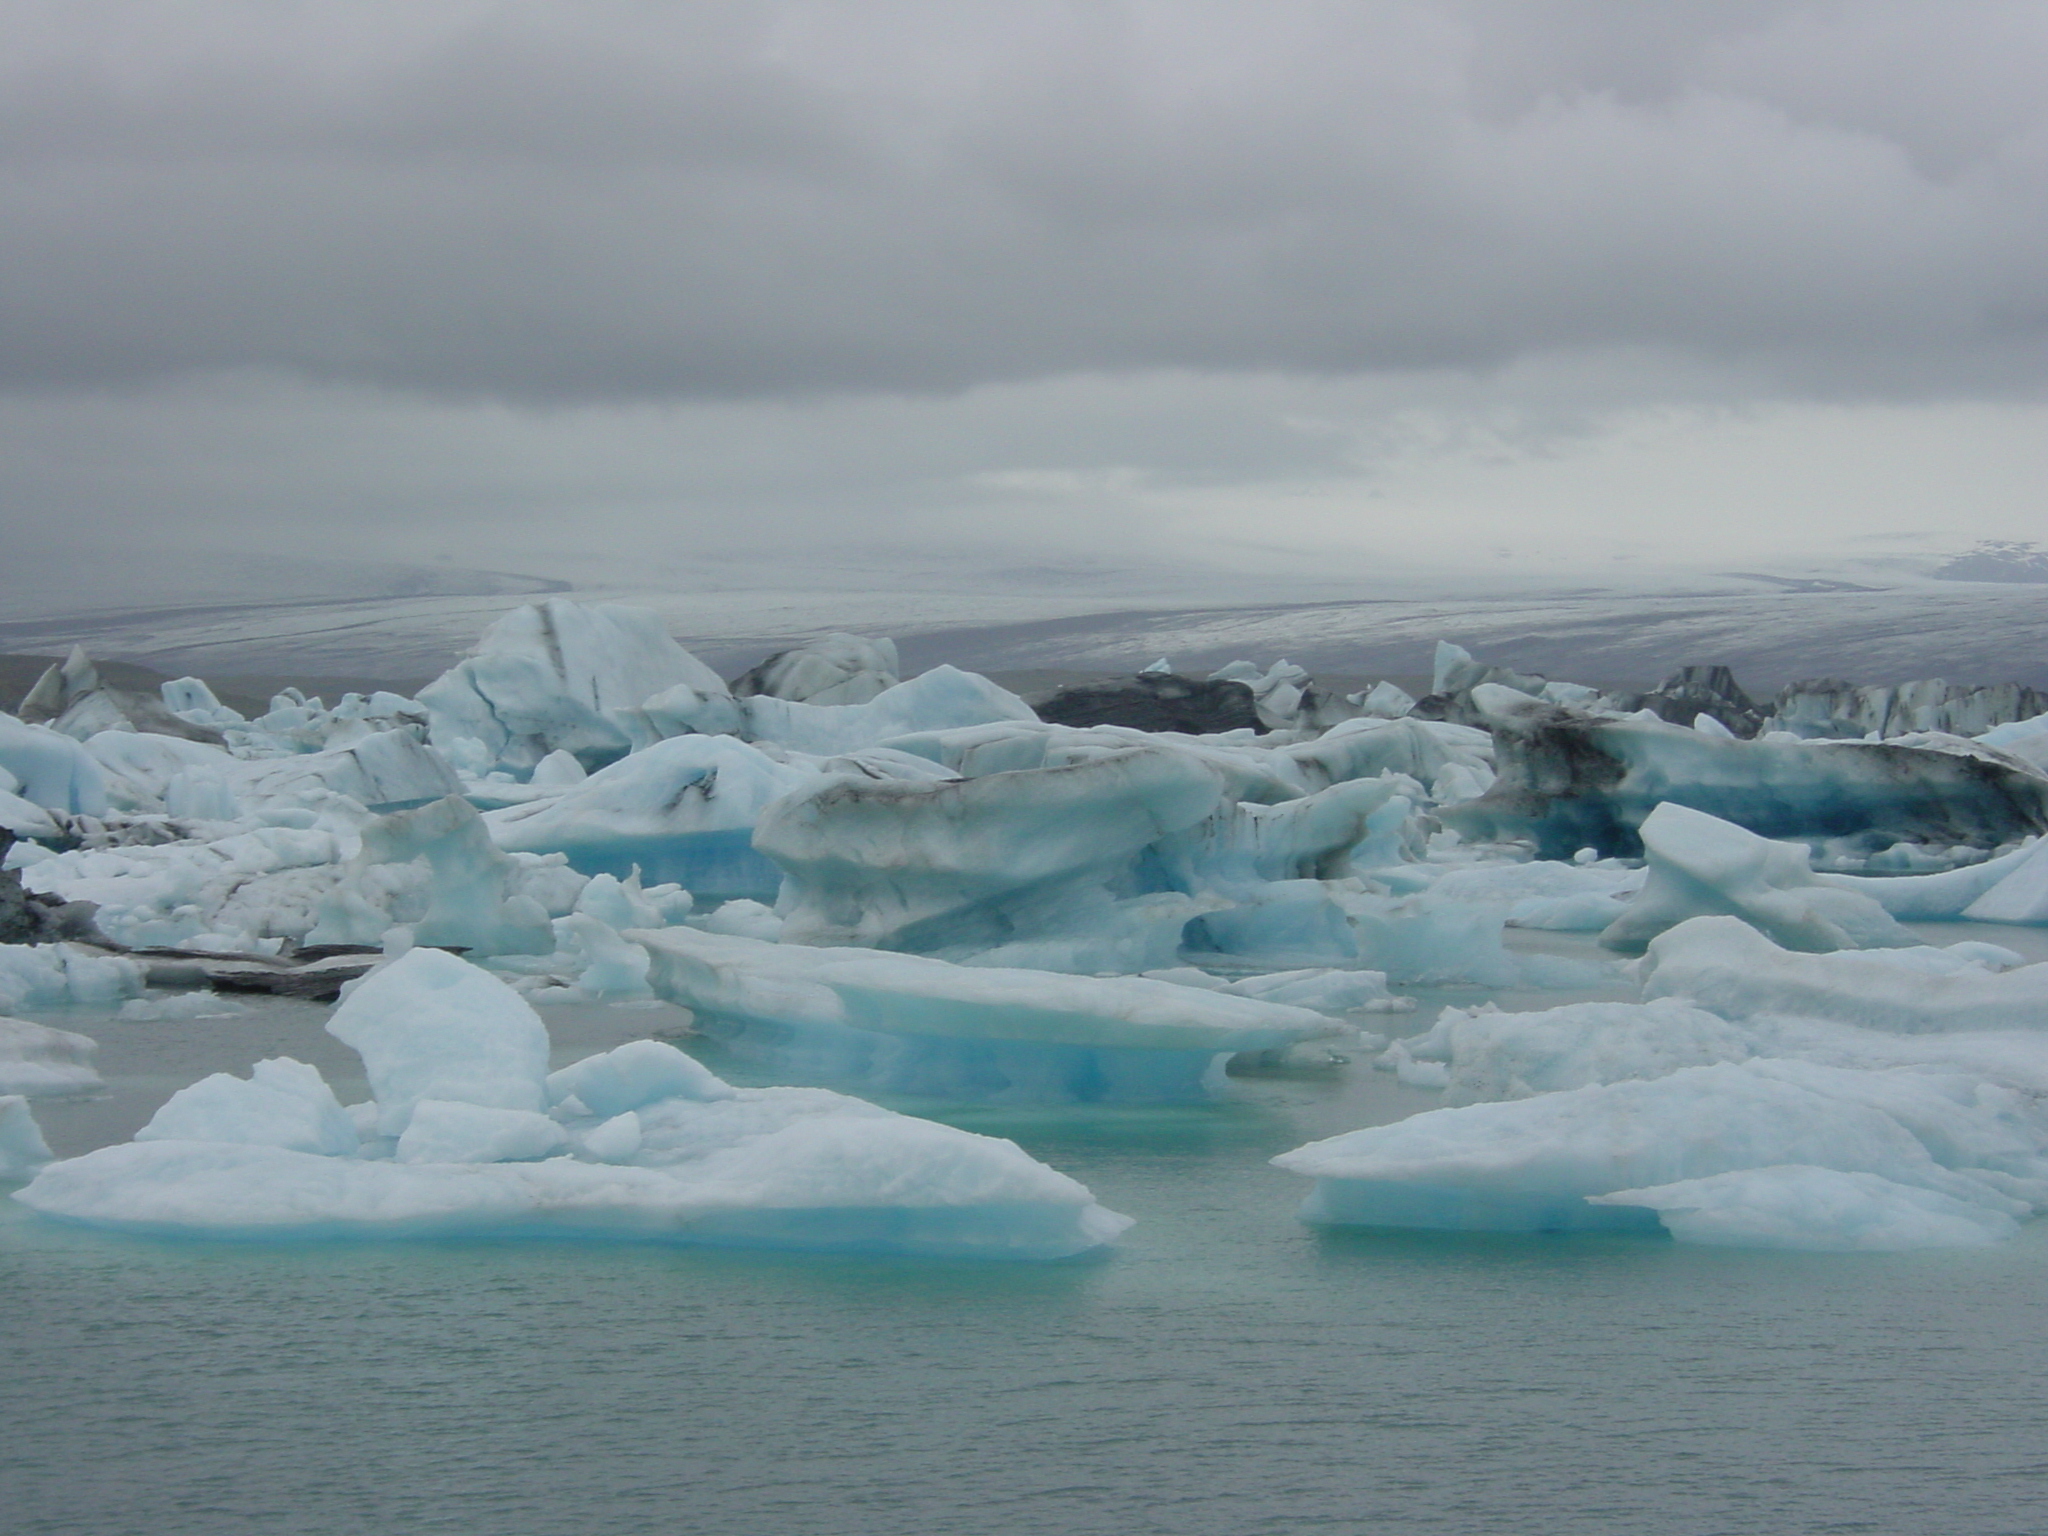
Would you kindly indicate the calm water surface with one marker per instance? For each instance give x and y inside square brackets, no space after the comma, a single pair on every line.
[1226,1370]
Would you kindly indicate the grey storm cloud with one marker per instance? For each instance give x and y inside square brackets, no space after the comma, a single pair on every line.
[605,202]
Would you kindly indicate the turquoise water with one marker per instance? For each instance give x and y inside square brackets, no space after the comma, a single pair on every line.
[1226,1370]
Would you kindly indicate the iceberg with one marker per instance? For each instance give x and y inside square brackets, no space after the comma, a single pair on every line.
[1570,780]
[944,698]
[682,811]
[472,1139]
[554,676]
[473,896]
[1537,1164]
[1485,1055]
[432,1026]
[22,1148]
[1701,865]
[51,770]
[922,866]
[37,1061]
[60,975]
[910,1024]
[1723,964]
[835,669]
[1815,1210]
[2010,888]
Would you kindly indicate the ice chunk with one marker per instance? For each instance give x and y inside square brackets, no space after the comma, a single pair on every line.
[920,1025]
[925,866]
[634,1075]
[1701,865]
[618,1140]
[606,965]
[682,810]
[282,1103]
[37,1061]
[182,1005]
[22,1148]
[555,676]
[837,669]
[1829,707]
[1952,893]
[1531,1164]
[1488,1055]
[1386,701]
[1571,780]
[442,1131]
[778,1167]
[472,898]
[1725,965]
[56,975]
[2021,896]
[1815,1210]
[51,770]
[432,1026]
[941,699]
[383,770]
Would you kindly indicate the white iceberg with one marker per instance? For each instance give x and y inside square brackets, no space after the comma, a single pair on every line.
[22,1148]
[1815,1210]
[1700,865]
[60,975]
[1533,1164]
[681,811]
[1723,964]
[39,1062]
[558,676]
[638,1143]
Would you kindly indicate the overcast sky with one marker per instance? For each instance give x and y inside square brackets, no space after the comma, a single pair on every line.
[592,286]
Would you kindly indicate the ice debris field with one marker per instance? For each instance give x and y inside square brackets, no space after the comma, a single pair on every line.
[931,889]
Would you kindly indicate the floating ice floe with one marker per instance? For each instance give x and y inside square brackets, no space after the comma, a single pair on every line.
[914,1025]
[1938,1158]
[470,1135]
[38,1062]
[1723,964]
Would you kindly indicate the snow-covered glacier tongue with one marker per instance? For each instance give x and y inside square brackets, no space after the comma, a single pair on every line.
[469,1134]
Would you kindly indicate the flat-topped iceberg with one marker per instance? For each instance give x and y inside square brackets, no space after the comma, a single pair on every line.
[917,1025]
[1723,964]
[1537,1164]
[469,1135]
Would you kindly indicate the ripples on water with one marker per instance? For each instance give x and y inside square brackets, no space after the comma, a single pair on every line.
[1225,1371]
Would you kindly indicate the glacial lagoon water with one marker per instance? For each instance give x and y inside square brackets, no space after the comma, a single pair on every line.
[1225,1370]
